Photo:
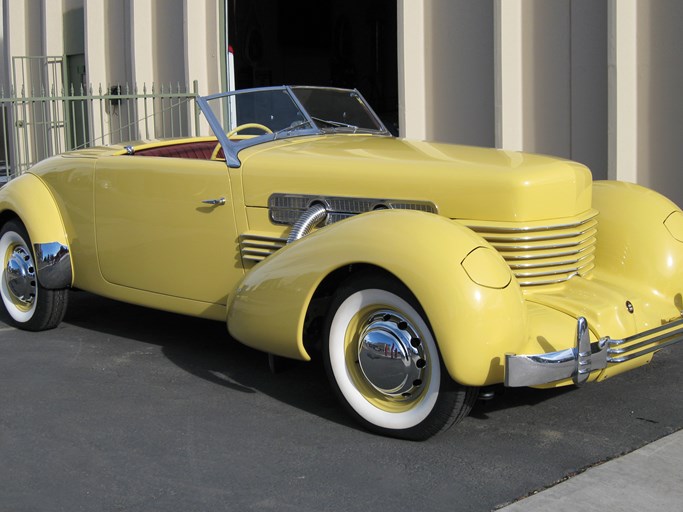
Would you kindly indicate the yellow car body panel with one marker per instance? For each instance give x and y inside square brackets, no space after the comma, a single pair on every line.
[145,213]
[519,186]
[154,232]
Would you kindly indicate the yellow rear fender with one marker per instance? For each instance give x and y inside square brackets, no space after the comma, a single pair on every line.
[28,199]
[471,300]
[640,240]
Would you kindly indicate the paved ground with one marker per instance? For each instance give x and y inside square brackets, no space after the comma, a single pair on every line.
[126,409]
[648,479]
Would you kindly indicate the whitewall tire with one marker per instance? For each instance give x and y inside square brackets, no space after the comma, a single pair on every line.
[29,305]
[384,364]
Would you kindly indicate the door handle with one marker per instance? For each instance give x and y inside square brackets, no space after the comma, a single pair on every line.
[214,202]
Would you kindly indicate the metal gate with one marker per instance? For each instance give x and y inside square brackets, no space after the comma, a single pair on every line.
[41,117]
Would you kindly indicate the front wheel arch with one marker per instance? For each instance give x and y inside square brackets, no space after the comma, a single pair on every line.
[321,301]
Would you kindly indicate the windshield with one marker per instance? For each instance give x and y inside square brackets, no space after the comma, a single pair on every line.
[244,118]
[274,110]
[337,108]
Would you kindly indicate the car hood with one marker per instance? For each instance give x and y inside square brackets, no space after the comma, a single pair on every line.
[462,182]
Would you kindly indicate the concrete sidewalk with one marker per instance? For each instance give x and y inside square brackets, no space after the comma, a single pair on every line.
[648,479]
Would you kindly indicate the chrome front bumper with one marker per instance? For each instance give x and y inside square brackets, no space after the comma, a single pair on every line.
[578,362]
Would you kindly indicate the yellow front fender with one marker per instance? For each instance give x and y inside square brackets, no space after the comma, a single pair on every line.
[474,305]
[640,238]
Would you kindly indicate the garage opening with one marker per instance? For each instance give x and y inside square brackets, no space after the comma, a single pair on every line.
[340,43]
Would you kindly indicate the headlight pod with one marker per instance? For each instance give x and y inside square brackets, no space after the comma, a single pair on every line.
[674,223]
[485,267]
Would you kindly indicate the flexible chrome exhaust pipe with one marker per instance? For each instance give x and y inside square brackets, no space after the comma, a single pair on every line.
[312,217]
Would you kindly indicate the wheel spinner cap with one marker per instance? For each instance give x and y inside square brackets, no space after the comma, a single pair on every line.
[391,355]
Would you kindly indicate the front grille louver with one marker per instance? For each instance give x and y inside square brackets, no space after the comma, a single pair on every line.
[543,253]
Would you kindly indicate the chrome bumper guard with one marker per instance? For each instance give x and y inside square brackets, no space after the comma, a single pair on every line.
[578,362]
[53,262]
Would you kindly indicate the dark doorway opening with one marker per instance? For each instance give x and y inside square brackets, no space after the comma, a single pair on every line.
[340,43]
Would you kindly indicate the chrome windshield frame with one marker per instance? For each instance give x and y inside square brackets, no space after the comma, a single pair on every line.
[231,149]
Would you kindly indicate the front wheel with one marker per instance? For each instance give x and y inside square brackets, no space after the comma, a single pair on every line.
[30,306]
[383,362]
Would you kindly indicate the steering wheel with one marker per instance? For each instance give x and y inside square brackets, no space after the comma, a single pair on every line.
[235,131]
[245,126]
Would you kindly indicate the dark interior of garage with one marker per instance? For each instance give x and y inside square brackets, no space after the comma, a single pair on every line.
[340,43]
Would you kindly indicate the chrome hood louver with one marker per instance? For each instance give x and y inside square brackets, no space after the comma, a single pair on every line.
[258,246]
[543,253]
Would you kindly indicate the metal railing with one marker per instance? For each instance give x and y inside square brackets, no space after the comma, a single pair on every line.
[36,125]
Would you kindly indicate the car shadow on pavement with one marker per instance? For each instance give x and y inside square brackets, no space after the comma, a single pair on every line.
[204,349]
[510,398]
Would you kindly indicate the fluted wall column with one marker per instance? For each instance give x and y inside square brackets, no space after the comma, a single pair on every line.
[623,90]
[143,32]
[509,83]
[53,39]
[412,108]
[95,42]
[202,51]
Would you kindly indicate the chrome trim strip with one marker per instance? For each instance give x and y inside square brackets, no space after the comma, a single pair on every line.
[626,353]
[528,247]
[577,363]
[257,247]
[543,262]
[551,271]
[547,235]
[525,256]
[492,228]
[562,279]
[53,265]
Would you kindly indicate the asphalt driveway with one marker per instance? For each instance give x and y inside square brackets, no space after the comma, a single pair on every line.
[127,409]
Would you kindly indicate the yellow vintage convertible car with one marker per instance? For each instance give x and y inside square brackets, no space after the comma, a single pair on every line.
[420,273]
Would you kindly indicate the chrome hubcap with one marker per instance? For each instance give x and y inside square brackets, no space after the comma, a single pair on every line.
[20,276]
[391,356]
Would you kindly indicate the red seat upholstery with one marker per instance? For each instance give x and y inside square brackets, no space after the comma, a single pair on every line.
[193,150]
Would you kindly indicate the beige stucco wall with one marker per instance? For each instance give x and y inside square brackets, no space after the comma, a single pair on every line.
[459,66]
[593,80]
[660,159]
[597,81]
[161,42]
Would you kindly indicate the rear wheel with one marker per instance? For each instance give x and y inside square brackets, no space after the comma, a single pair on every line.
[30,306]
[384,365]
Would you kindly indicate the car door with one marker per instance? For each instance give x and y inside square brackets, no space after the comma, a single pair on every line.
[166,225]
